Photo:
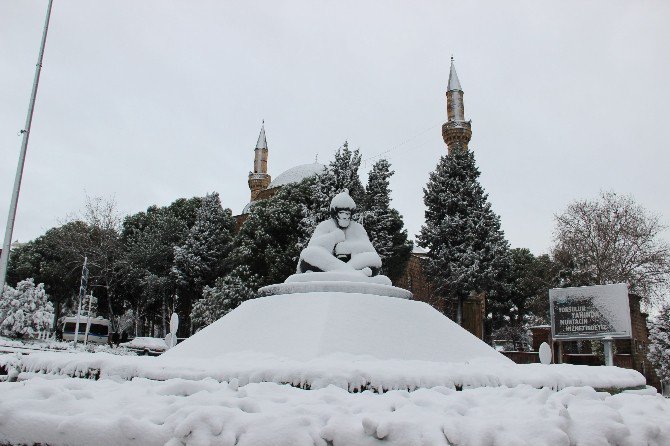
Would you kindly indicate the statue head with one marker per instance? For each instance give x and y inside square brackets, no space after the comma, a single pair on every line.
[341,208]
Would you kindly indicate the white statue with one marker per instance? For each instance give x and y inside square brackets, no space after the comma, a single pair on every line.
[340,244]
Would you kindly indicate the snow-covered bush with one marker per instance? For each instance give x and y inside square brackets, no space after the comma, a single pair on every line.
[25,310]
[659,344]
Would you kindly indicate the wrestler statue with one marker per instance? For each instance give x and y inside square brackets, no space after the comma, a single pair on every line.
[339,243]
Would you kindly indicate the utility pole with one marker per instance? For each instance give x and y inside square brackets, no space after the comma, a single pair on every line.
[11,216]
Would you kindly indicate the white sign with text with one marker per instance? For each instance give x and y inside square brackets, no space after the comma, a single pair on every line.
[590,312]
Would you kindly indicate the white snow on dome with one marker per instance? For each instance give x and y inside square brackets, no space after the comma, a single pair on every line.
[297,174]
[247,208]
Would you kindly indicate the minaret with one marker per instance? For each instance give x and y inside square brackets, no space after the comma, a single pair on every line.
[259,178]
[456,131]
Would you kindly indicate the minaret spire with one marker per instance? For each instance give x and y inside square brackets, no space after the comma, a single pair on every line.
[259,178]
[456,132]
[454,84]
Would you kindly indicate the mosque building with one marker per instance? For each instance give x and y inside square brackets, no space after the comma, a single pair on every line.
[456,132]
[261,184]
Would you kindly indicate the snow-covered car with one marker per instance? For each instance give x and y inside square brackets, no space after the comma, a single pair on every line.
[146,345]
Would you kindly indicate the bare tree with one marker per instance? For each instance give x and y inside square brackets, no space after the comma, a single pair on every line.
[611,240]
[96,235]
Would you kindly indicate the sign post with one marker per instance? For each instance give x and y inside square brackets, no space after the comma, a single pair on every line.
[82,292]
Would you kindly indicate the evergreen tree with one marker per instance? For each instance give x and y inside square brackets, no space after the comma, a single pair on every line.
[148,260]
[384,223]
[659,344]
[46,261]
[270,240]
[202,258]
[227,294]
[25,310]
[468,251]
[525,298]
[341,173]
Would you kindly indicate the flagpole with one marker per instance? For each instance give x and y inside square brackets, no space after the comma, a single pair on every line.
[6,246]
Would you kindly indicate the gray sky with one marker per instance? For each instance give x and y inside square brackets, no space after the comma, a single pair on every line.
[155,100]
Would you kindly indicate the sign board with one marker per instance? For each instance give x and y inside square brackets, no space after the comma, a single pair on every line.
[590,312]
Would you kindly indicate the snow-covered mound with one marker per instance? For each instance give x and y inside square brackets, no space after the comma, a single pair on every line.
[312,325]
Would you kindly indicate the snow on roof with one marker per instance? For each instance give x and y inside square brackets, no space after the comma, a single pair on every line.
[419,250]
[262,142]
[296,174]
[454,84]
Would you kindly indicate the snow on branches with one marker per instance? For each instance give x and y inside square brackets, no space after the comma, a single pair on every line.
[25,310]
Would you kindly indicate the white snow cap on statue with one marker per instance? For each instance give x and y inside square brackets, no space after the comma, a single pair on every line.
[343,201]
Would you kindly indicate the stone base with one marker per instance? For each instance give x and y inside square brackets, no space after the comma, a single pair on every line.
[338,276]
[375,289]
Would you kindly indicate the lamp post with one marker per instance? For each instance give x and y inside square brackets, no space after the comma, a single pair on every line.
[4,257]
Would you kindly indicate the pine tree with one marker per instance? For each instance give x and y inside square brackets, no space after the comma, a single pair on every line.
[341,173]
[468,250]
[203,257]
[384,223]
[271,239]
[149,240]
[227,294]
[659,344]
[25,310]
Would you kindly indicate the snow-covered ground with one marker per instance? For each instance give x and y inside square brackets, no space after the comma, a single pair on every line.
[338,370]
[208,412]
[350,372]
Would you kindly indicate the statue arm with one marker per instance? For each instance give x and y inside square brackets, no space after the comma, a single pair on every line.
[326,237]
[357,242]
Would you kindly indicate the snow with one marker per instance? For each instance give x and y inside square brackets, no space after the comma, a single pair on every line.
[146,343]
[297,173]
[377,287]
[349,372]
[418,250]
[353,240]
[310,325]
[207,412]
[343,201]
[338,276]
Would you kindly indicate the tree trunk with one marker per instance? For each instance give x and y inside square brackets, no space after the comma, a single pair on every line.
[163,312]
[459,311]
[57,307]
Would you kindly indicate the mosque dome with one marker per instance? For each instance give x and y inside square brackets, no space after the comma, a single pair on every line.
[297,174]
[293,175]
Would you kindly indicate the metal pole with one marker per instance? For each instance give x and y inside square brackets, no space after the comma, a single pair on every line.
[607,351]
[82,292]
[88,319]
[6,246]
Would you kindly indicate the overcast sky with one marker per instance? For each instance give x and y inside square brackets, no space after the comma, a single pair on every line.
[149,101]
